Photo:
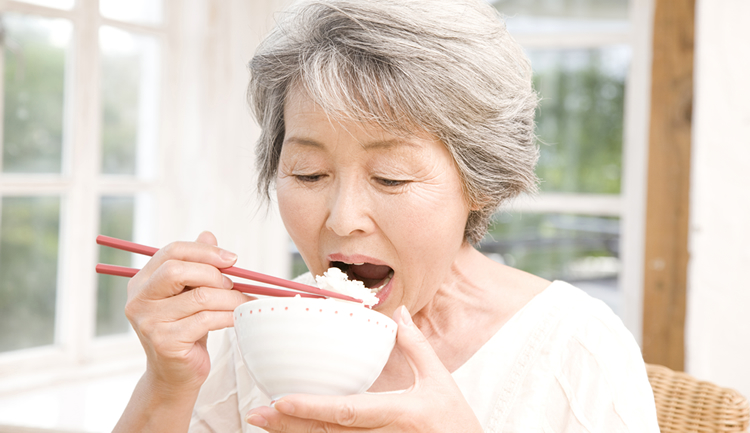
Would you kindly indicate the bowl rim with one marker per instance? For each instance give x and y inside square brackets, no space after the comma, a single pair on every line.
[300,301]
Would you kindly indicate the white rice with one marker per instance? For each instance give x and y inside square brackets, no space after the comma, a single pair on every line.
[337,281]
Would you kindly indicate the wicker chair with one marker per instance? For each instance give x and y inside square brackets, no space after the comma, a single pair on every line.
[686,404]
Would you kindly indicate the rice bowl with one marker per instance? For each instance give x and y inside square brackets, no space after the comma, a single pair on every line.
[312,346]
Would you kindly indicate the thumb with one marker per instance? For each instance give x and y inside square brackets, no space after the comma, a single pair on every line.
[420,355]
[207,238]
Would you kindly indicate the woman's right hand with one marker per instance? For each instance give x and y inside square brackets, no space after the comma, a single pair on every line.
[173,302]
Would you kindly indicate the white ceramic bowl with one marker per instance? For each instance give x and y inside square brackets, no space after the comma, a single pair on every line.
[312,346]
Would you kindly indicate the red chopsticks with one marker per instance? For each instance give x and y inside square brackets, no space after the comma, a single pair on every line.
[306,291]
[122,271]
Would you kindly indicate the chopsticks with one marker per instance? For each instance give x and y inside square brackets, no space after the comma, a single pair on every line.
[300,289]
[122,271]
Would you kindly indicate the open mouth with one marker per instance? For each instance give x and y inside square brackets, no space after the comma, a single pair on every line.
[374,277]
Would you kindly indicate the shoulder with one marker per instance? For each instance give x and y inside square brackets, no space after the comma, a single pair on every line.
[596,365]
[563,314]
[585,331]
[583,318]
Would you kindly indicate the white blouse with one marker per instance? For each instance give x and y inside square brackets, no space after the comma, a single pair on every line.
[563,363]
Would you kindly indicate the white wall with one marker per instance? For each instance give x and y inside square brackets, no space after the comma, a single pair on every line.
[718,315]
[210,148]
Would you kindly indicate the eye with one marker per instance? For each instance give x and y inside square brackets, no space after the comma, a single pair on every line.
[308,178]
[391,182]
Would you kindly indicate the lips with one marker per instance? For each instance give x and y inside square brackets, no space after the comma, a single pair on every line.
[373,273]
[372,276]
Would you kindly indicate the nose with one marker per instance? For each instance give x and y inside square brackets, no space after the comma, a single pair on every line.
[349,210]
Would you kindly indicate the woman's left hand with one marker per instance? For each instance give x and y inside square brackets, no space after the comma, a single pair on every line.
[433,404]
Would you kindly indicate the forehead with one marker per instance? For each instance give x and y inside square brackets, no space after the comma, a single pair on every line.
[307,124]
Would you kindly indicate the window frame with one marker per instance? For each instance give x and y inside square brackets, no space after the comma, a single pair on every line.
[77,353]
[203,180]
[630,204]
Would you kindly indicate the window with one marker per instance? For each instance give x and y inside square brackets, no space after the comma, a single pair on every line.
[133,123]
[584,226]
[81,108]
[590,61]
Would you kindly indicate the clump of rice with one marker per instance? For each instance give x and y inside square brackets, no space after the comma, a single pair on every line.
[337,281]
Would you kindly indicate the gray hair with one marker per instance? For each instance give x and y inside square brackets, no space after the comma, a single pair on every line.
[448,67]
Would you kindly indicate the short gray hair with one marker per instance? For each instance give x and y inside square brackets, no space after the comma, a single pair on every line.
[448,67]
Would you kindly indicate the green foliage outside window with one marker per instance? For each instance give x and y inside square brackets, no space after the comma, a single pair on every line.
[34,82]
[120,77]
[29,233]
[579,122]
[116,221]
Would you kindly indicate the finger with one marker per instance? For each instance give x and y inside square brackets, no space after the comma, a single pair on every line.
[271,420]
[367,411]
[174,275]
[193,328]
[189,252]
[199,299]
[414,346]
[207,238]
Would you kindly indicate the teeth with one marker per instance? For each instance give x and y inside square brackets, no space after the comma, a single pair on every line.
[357,264]
[385,282]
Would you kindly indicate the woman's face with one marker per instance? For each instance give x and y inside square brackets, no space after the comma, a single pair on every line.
[389,210]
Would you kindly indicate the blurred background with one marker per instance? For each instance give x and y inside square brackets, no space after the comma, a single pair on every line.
[128,118]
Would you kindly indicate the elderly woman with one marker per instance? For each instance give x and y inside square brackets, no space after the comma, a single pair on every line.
[391,131]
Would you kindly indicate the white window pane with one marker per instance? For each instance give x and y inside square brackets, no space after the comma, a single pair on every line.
[569,9]
[29,233]
[580,118]
[582,250]
[116,221]
[130,101]
[137,11]
[35,52]
[564,16]
[59,4]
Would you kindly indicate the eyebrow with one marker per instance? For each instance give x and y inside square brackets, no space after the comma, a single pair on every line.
[379,144]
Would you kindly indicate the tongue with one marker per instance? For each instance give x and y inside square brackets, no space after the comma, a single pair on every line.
[370,272]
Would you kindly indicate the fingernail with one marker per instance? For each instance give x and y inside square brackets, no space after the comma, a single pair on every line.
[284,407]
[405,316]
[228,284]
[227,256]
[256,420]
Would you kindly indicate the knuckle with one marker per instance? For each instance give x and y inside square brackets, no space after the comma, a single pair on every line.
[200,296]
[131,311]
[201,319]
[320,427]
[172,249]
[172,270]
[346,415]
[133,287]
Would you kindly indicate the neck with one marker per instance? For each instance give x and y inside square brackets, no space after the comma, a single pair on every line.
[464,292]
[454,321]
[477,297]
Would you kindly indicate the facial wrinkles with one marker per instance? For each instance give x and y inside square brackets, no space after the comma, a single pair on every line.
[354,158]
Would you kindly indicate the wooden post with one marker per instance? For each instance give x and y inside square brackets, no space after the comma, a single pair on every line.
[667,205]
